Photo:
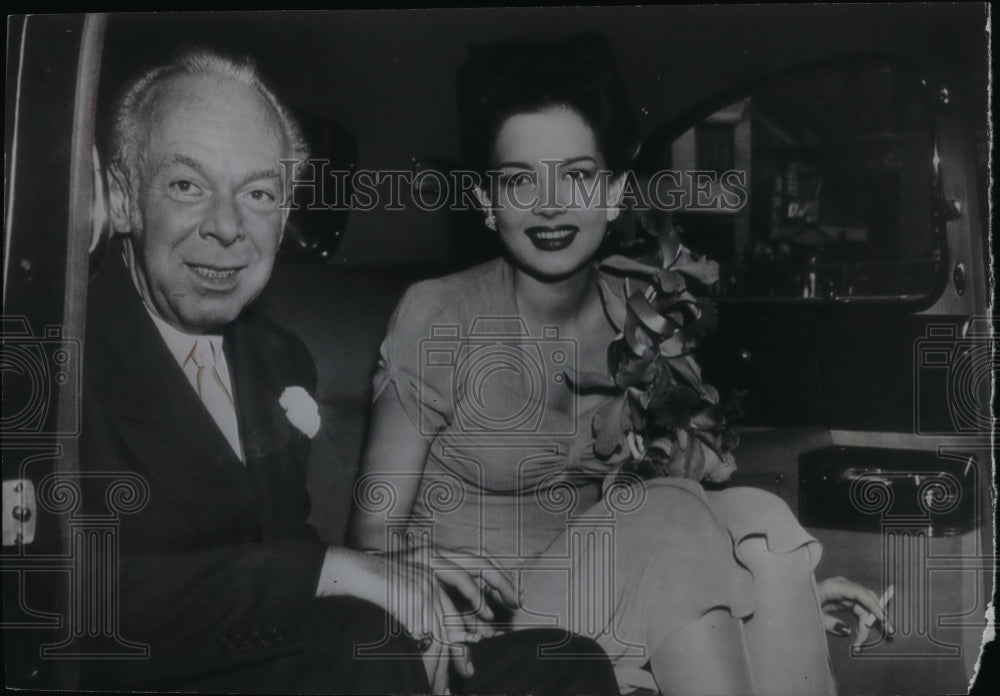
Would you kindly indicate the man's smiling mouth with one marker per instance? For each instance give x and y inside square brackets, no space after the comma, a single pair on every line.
[214,274]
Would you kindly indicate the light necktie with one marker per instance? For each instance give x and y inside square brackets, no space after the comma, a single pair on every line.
[213,392]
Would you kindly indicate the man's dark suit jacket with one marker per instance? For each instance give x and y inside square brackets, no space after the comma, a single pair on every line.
[219,567]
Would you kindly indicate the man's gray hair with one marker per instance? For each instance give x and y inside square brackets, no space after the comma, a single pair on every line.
[130,113]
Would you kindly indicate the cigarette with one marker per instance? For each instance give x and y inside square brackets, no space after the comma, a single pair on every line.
[863,629]
[866,620]
[883,602]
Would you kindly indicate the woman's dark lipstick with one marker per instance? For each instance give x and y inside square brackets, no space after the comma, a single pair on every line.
[553,238]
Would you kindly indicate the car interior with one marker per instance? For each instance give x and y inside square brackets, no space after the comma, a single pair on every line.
[853,301]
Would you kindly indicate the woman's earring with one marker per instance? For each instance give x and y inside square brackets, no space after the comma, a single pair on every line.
[491,222]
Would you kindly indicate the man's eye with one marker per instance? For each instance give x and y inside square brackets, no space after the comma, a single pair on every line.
[184,188]
[261,199]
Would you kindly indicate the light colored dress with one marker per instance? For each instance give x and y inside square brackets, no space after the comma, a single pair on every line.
[508,477]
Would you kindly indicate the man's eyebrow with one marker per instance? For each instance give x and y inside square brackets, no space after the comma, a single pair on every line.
[188,162]
[252,176]
[260,174]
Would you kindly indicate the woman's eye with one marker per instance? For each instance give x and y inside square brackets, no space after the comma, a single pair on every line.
[518,179]
[579,174]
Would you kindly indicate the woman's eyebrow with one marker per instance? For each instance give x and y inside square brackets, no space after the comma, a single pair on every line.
[513,165]
[524,165]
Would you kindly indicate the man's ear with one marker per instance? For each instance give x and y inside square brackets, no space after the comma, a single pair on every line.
[119,201]
[616,187]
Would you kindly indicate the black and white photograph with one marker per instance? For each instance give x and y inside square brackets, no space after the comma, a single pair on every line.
[623,350]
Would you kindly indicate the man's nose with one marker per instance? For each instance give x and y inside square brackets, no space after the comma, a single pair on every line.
[224,220]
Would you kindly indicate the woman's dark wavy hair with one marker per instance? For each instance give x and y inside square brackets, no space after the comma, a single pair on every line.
[501,80]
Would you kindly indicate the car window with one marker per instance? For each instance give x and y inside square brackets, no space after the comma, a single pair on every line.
[814,186]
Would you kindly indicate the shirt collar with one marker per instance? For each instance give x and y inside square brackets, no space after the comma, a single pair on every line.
[180,343]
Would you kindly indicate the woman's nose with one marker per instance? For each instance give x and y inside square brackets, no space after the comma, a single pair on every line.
[224,221]
[551,198]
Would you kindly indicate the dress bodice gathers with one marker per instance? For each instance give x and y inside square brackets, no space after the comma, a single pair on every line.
[474,382]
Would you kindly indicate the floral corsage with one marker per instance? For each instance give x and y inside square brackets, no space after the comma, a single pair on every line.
[662,420]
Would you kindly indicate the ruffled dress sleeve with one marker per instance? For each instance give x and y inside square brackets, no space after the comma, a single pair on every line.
[410,367]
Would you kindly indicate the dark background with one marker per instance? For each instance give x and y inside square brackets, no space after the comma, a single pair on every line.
[388,78]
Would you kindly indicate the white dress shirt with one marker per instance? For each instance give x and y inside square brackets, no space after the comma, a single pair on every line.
[181,346]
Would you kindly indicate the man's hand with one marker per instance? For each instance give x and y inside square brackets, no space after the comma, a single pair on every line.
[480,580]
[408,591]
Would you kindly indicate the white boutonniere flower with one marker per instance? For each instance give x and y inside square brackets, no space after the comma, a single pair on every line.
[301,410]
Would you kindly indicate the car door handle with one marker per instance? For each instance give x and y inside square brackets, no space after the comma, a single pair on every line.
[20,510]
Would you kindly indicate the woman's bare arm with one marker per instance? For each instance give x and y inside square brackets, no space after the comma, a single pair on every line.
[394,456]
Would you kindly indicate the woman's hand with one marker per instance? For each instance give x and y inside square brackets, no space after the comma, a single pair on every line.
[480,580]
[841,594]
[408,591]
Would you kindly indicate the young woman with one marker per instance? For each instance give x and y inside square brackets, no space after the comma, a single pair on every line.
[480,443]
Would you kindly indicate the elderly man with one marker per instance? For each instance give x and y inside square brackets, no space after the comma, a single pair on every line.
[190,387]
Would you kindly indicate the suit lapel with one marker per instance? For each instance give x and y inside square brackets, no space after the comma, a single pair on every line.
[258,381]
[158,415]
